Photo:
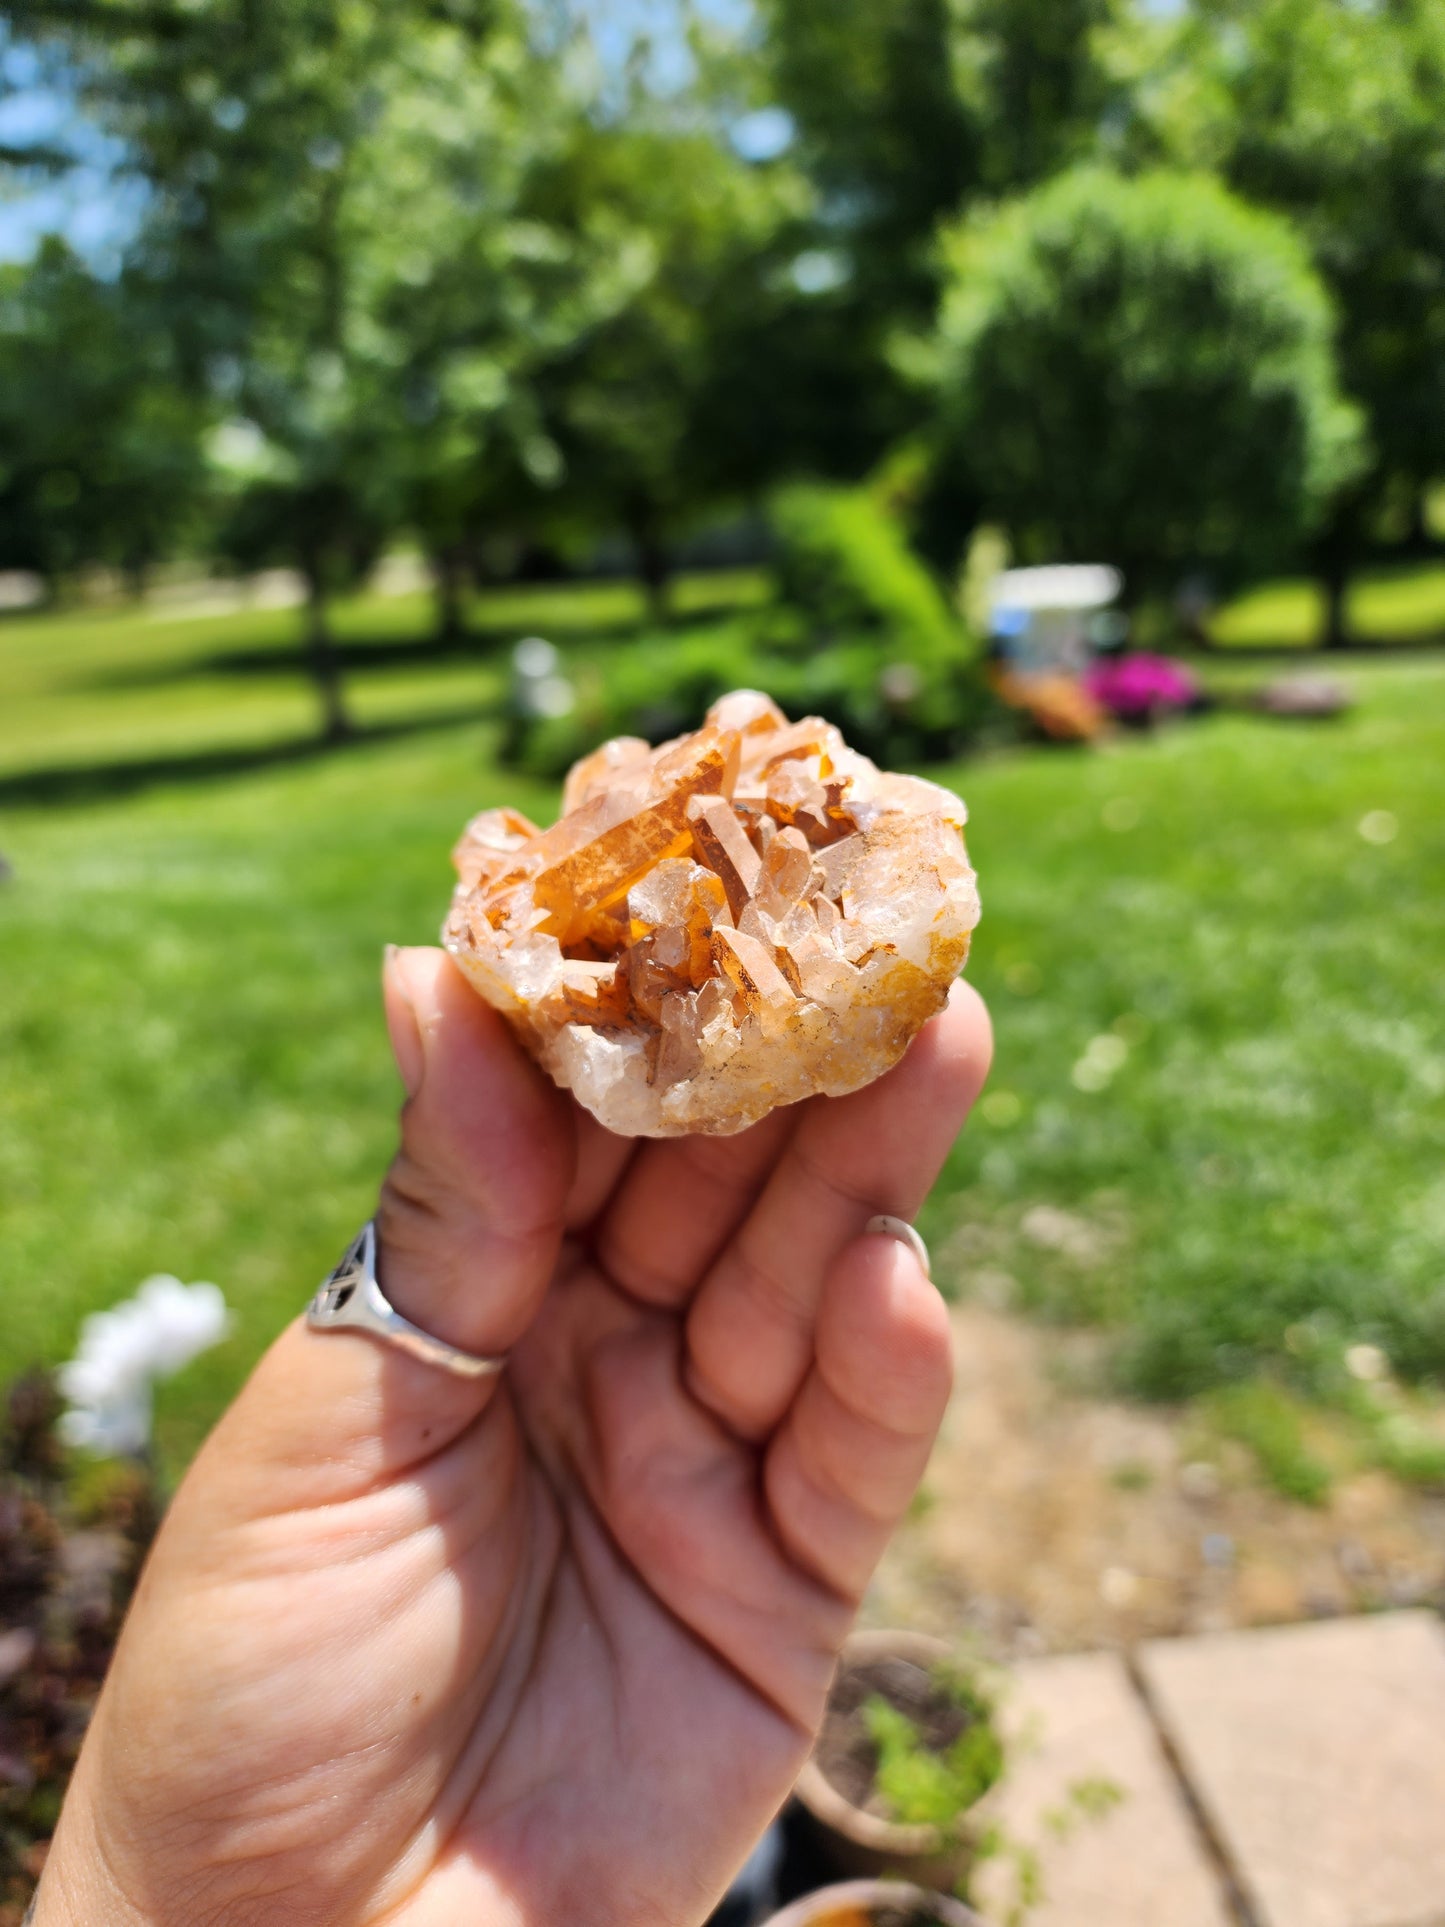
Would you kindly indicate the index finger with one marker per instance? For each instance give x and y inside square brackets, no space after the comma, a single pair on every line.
[681,1200]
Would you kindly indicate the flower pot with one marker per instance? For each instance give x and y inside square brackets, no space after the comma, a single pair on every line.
[849,1840]
[875,1903]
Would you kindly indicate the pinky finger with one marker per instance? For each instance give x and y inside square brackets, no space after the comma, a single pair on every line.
[847,1460]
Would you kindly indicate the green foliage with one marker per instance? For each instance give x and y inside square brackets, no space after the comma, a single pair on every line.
[908,111]
[845,561]
[1140,369]
[100,451]
[1087,1800]
[887,659]
[909,108]
[657,685]
[426,281]
[1090,1799]
[445,273]
[1392,1432]
[1094,1796]
[673,397]
[1039,78]
[1409,1453]
[936,1789]
[661,683]
[1132,1475]
[863,637]
[898,709]
[883,126]
[1263,1416]
[1334,114]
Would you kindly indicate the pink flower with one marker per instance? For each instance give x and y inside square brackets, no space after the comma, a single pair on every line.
[1134,685]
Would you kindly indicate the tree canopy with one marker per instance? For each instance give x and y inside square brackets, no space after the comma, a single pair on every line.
[100,456]
[446,272]
[1139,369]
[1334,115]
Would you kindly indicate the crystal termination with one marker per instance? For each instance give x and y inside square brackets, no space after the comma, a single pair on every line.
[741,918]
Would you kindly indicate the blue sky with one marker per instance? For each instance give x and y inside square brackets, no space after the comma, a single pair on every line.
[91,202]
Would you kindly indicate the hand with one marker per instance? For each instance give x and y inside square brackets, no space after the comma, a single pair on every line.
[550,1648]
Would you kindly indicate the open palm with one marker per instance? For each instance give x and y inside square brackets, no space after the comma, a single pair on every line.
[551,1648]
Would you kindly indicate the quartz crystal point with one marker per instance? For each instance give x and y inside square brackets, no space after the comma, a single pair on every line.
[736,920]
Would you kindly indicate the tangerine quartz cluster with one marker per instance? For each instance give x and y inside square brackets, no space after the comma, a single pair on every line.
[736,920]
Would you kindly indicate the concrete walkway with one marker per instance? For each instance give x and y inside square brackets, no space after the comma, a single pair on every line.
[1286,1778]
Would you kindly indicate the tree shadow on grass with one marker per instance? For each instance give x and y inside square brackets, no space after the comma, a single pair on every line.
[1359,650]
[69,783]
[483,643]
[355,653]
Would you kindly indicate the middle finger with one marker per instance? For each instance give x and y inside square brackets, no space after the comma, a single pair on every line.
[680,1201]
[750,1330]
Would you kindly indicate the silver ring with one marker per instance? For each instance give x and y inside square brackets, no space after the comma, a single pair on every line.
[351,1300]
[901,1229]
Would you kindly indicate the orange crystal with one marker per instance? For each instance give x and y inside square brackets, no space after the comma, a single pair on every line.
[739,919]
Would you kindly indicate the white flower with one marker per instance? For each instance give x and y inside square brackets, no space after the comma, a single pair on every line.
[119,1429]
[123,1351]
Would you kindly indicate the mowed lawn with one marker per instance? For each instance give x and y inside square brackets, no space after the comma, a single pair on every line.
[1403,605]
[1217,1118]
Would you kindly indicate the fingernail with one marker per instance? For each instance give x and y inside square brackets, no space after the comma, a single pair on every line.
[903,1231]
[401,1022]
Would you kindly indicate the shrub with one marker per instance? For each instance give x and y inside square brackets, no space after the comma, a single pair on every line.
[844,562]
[1141,370]
[896,711]
[901,711]
[862,634]
[655,685]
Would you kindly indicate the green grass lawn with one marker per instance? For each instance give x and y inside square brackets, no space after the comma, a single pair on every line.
[1221,1062]
[1217,1121]
[1403,605]
[82,692]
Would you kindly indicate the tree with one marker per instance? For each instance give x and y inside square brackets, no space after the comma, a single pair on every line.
[883,129]
[891,146]
[100,450]
[432,281]
[1334,114]
[263,134]
[485,292]
[908,113]
[660,407]
[1141,371]
[1041,80]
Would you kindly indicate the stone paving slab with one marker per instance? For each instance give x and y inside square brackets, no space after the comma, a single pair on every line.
[1318,1755]
[1076,1721]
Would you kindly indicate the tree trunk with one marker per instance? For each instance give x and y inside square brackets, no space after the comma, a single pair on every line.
[1335,581]
[448,582]
[1418,536]
[324,663]
[654,564]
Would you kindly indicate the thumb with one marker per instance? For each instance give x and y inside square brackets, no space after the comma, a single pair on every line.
[471,1212]
[469,1224]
